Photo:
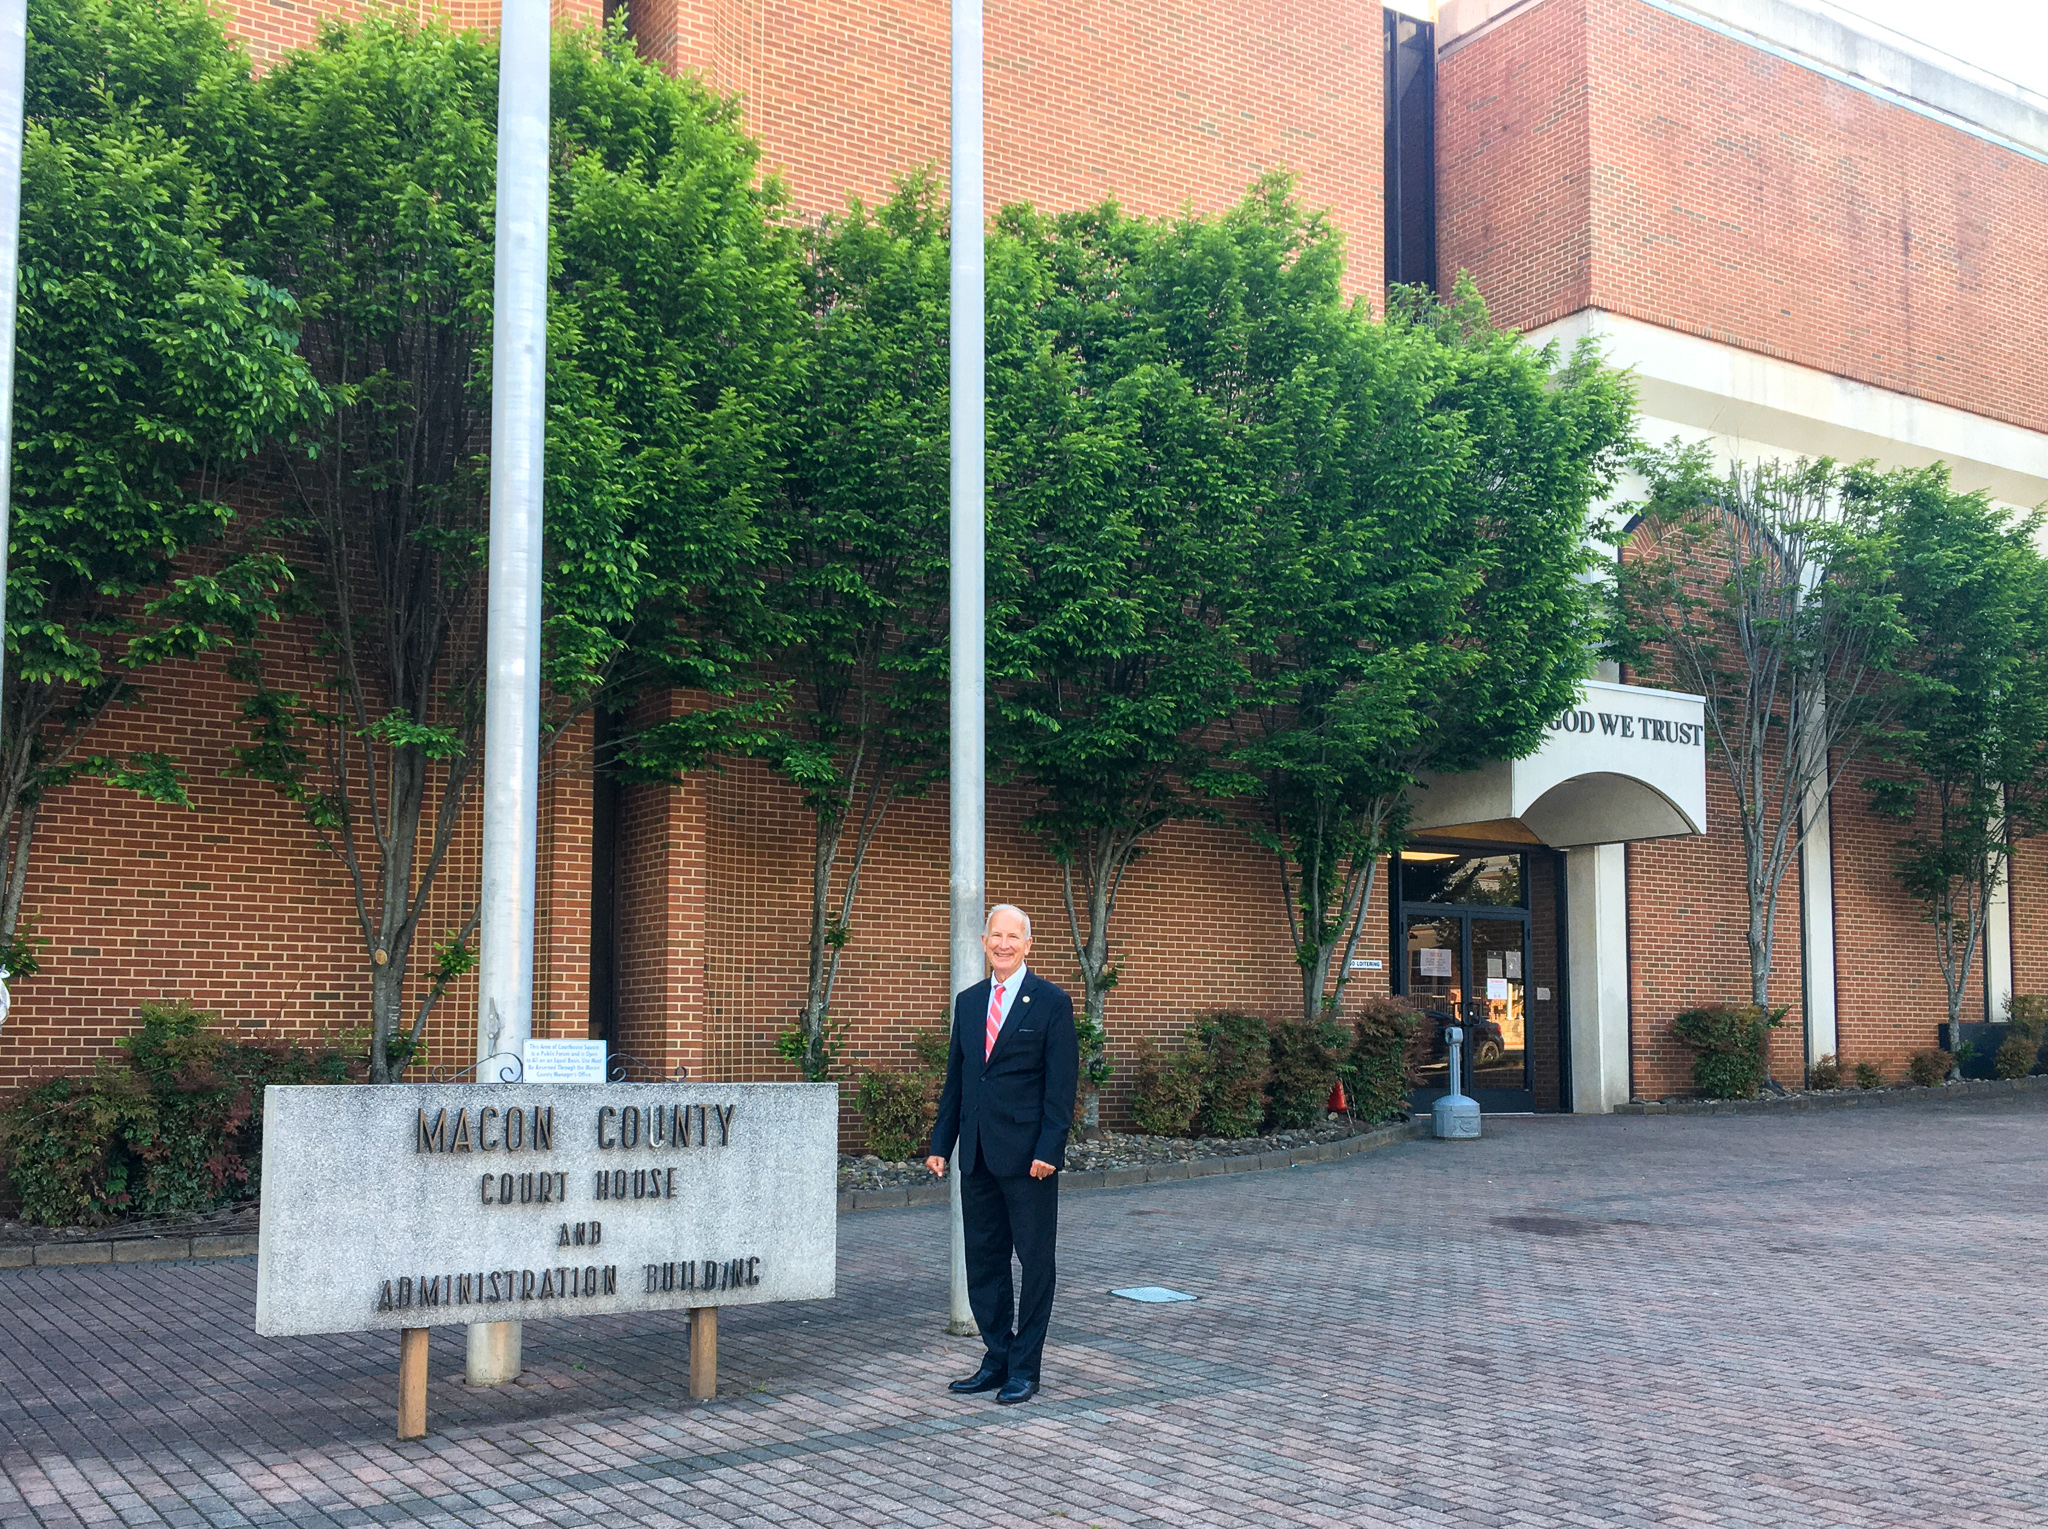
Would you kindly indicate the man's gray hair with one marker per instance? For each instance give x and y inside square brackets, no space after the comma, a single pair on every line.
[1007,908]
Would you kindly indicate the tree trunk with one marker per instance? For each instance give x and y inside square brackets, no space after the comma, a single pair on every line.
[1091,953]
[825,855]
[1094,1003]
[387,1001]
[17,869]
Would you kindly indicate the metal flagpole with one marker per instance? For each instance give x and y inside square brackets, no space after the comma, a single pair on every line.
[13,57]
[519,322]
[969,690]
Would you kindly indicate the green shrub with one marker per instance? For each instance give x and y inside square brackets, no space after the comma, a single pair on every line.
[1166,1089]
[172,1128]
[2028,1014]
[65,1141]
[2026,1028]
[1930,1067]
[930,1047]
[1305,1061]
[2017,1055]
[1729,1042]
[1376,1080]
[896,1110]
[1825,1075]
[1234,1086]
[1868,1075]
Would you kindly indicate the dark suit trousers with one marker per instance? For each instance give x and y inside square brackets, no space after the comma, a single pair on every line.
[1000,1216]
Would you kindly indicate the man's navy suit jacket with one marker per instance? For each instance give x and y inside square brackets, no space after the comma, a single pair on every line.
[1019,1104]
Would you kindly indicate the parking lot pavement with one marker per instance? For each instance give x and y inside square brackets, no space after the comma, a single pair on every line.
[1825,1319]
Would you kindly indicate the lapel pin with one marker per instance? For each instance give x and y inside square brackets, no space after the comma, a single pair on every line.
[1027,998]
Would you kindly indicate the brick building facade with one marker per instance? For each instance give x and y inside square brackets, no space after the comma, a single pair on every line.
[1801,239]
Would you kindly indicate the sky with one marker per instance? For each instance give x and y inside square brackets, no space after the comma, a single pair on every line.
[2008,38]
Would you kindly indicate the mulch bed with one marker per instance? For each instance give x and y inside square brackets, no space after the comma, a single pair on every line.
[228,1220]
[1116,1150]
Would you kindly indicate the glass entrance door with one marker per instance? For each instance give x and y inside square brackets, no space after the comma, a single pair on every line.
[1466,958]
[1497,1011]
[1436,977]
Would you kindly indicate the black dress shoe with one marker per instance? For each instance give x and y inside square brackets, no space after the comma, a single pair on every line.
[987,1378]
[1018,1388]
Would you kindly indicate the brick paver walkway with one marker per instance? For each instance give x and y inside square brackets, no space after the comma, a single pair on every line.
[1816,1320]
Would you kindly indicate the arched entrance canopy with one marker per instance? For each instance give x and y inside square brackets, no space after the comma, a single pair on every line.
[1626,763]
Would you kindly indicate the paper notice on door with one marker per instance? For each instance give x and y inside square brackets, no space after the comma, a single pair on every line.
[1435,963]
[1514,963]
[1497,989]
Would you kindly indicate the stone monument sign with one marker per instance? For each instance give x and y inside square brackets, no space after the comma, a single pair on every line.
[412,1206]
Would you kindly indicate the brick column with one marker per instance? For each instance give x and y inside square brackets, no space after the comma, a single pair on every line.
[662,893]
[561,957]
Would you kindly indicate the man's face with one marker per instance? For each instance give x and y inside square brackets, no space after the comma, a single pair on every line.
[1006,944]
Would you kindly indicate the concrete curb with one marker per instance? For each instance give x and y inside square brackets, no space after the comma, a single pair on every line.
[1164,1173]
[1841,1099]
[127,1250]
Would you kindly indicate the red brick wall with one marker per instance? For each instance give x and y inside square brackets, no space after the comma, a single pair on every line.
[271,28]
[561,967]
[1158,104]
[1890,996]
[2028,895]
[236,906]
[1606,153]
[1688,947]
[1514,165]
[664,848]
[233,905]
[1199,927]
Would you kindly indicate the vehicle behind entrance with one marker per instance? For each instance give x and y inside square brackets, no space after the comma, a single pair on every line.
[1477,941]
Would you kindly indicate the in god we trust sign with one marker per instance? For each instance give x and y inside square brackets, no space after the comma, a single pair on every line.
[413,1206]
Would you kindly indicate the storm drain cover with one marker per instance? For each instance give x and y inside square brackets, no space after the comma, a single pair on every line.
[1151,1294]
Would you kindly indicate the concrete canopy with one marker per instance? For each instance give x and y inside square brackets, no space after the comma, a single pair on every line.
[1627,763]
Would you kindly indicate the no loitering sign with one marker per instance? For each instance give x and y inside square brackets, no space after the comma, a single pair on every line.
[422,1205]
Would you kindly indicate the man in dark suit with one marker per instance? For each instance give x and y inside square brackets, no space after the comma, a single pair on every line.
[1008,1103]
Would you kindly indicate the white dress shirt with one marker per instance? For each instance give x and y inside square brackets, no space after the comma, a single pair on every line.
[1009,998]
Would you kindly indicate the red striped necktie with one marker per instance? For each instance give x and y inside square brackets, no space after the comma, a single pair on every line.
[995,1020]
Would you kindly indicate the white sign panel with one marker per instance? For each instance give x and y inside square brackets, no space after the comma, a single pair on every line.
[563,1062]
[1496,989]
[1436,961]
[1628,762]
[417,1206]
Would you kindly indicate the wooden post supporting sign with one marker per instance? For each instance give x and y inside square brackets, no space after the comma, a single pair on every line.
[703,1353]
[412,1382]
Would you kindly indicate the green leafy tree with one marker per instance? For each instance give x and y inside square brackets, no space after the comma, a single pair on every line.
[1769,591]
[1131,534]
[860,582]
[378,217]
[152,367]
[1970,732]
[677,342]
[1427,527]
[672,301]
